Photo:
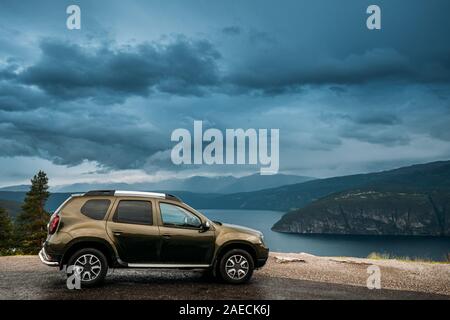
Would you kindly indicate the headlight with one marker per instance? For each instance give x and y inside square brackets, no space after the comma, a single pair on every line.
[261,238]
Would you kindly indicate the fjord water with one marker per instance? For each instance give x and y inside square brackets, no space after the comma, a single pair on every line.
[434,248]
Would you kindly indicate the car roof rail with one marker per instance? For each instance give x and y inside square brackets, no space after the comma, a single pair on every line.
[100,193]
[172,197]
[121,193]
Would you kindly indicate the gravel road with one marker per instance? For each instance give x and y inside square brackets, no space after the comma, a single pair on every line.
[307,277]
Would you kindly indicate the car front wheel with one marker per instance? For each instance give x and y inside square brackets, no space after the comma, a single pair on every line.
[236,266]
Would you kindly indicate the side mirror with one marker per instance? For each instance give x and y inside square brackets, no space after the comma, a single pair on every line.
[206,225]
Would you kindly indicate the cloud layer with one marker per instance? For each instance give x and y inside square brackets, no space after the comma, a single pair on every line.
[344,98]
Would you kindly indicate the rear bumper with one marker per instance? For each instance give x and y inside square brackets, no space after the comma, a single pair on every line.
[45,259]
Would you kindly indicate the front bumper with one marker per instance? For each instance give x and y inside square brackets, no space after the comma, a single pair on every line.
[262,256]
[45,259]
[261,262]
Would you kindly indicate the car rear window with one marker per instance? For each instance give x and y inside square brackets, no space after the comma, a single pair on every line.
[96,209]
[134,211]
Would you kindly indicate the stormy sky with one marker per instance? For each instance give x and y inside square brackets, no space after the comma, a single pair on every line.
[100,103]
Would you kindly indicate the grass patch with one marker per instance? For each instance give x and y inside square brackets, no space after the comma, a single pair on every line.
[388,256]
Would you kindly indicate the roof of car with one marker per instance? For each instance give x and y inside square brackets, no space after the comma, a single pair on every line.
[123,193]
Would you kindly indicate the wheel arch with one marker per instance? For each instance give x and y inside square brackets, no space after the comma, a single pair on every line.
[243,245]
[89,242]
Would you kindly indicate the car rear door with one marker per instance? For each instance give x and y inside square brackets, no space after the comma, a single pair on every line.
[133,228]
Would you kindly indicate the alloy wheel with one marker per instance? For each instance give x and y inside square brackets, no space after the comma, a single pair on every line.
[88,266]
[237,267]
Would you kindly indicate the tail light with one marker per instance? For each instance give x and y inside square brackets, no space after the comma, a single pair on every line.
[53,225]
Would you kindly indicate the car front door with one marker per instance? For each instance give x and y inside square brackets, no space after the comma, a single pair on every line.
[134,231]
[183,240]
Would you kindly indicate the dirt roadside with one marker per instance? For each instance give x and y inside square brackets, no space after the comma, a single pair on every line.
[286,276]
[395,274]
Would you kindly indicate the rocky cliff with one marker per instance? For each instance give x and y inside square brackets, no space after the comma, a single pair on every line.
[372,212]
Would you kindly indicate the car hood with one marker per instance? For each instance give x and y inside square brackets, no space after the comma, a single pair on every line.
[242,229]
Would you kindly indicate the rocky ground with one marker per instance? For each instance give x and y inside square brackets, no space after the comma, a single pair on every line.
[286,276]
[398,275]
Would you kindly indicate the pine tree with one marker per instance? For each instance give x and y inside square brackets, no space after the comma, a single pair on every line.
[32,221]
[6,232]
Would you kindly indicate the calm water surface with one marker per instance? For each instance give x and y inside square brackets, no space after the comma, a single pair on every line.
[356,246]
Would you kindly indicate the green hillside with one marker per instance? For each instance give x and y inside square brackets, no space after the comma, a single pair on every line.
[417,178]
[412,200]
[372,212]
[12,207]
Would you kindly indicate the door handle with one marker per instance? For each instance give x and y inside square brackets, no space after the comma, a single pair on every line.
[166,236]
[117,233]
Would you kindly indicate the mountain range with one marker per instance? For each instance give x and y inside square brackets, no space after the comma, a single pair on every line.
[413,200]
[422,177]
[196,184]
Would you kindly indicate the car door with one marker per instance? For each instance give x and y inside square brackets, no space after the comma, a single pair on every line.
[134,231]
[183,240]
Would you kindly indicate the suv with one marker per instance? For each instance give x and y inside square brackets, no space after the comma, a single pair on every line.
[98,230]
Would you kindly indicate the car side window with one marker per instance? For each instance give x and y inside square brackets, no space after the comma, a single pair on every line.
[95,209]
[173,215]
[134,211]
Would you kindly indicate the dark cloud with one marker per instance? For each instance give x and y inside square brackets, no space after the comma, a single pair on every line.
[257,37]
[107,74]
[375,128]
[41,115]
[338,89]
[111,139]
[387,138]
[378,119]
[9,70]
[14,97]
[328,83]
[187,67]
[232,30]
[283,74]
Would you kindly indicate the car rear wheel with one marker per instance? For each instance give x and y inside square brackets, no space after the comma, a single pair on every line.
[90,265]
[236,266]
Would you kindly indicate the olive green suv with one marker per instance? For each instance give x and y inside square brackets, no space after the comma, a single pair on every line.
[105,229]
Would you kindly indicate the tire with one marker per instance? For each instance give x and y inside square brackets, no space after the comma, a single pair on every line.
[241,262]
[96,262]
